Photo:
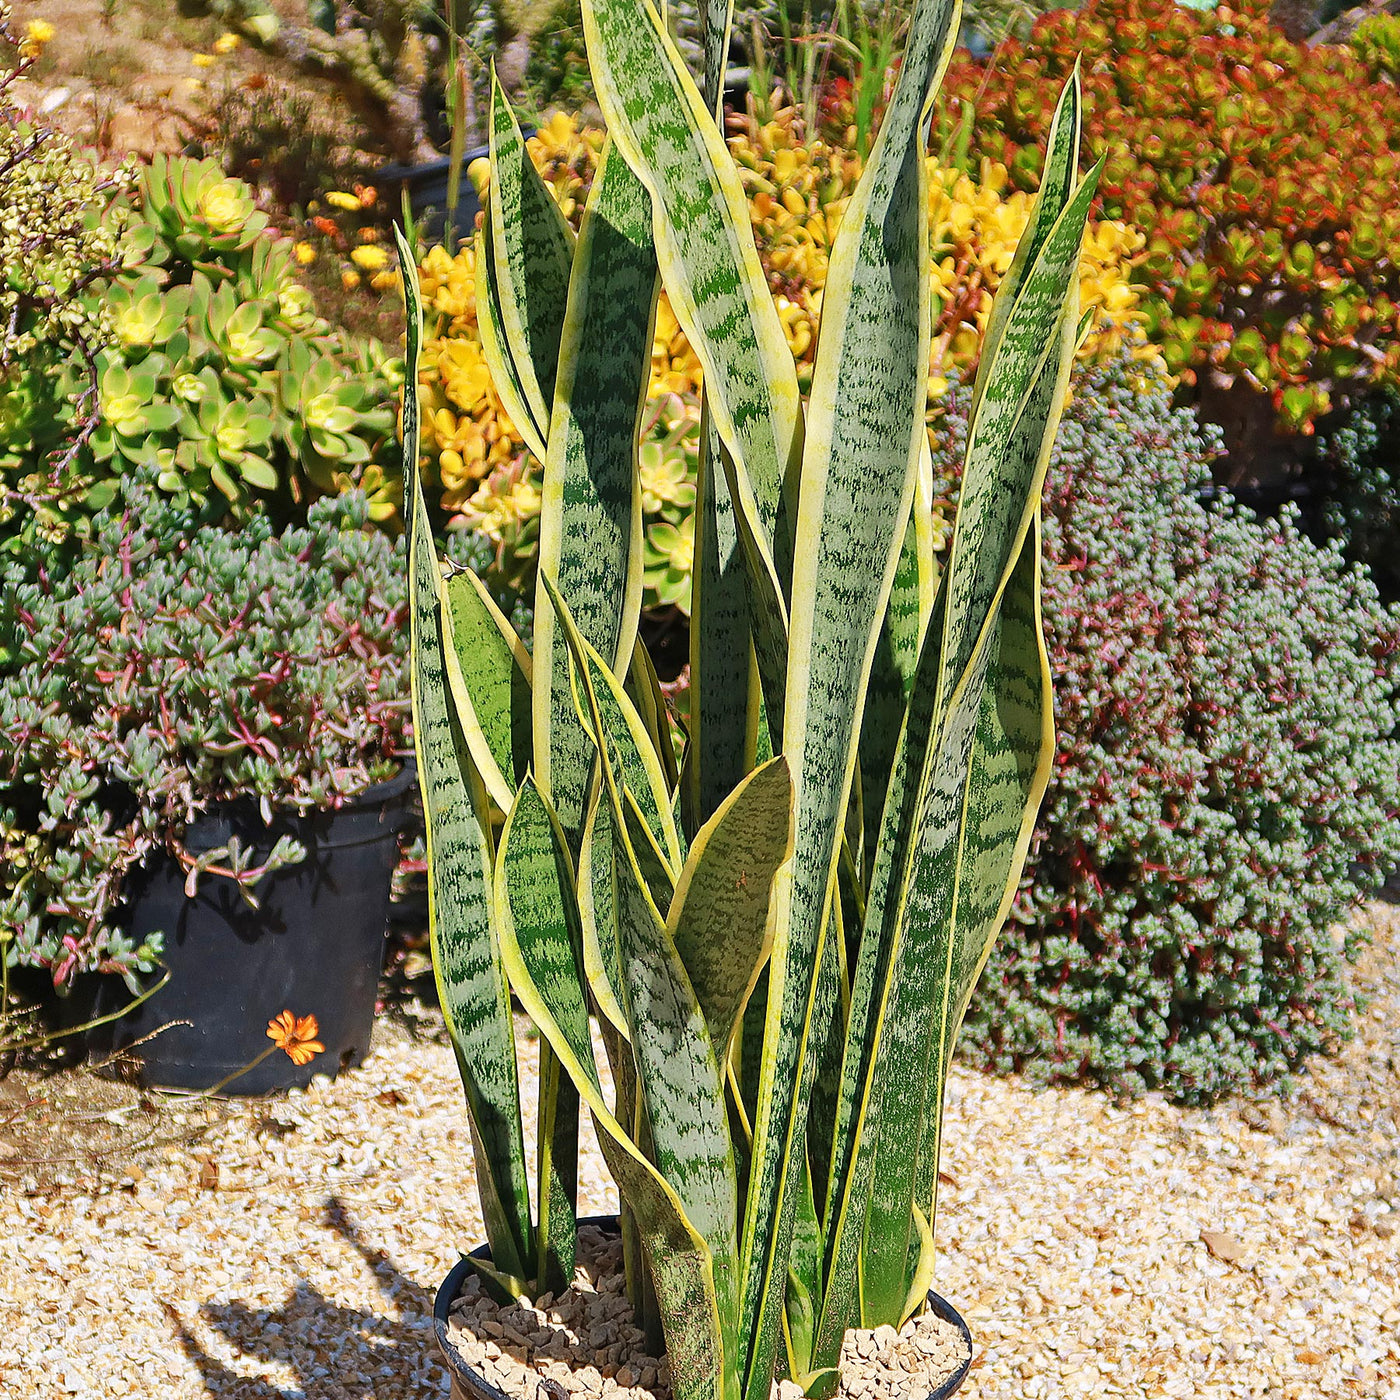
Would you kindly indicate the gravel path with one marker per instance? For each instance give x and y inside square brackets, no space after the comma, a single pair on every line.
[291,1250]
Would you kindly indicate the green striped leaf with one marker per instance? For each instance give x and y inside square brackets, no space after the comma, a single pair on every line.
[618,724]
[993,764]
[598,914]
[723,733]
[488,670]
[859,470]
[1007,439]
[644,687]
[722,914]
[533,248]
[678,1074]
[891,675]
[704,241]
[680,1080]
[723,730]
[466,961]
[682,1268]
[657,871]
[495,349]
[872,970]
[871,1210]
[534,883]
[716,18]
[590,511]
[1061,167]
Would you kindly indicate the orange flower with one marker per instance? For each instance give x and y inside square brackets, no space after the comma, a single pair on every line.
[297,1036]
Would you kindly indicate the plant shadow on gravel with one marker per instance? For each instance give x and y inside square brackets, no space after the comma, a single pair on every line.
[337,1351]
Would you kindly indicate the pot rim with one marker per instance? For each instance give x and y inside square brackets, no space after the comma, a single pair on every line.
[481,1389]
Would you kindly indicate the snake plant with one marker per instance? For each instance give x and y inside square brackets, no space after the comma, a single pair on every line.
[776,939]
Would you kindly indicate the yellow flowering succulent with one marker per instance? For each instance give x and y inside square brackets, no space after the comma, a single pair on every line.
[369,256]
[797,195]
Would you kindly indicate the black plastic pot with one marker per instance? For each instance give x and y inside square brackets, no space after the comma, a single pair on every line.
[426,188]
[314,945]
[468,1384]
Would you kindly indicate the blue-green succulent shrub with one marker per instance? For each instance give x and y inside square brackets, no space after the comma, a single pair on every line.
[1227,781]
[171,663]
[169,666]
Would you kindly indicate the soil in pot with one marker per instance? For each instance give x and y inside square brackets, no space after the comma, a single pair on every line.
[586,1343]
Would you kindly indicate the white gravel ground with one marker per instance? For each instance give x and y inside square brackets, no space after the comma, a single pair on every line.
[291,1253]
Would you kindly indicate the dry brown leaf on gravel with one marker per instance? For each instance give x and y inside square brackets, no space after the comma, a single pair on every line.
[1223,1246]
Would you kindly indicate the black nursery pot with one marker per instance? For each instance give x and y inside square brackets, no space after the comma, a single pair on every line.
[426,188]
[468,1384]
[314,945]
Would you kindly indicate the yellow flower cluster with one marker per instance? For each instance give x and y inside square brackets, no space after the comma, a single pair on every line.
[464,421]
[38,34]
[797,195]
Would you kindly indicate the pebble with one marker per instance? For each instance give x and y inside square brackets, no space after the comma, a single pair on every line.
[1069,1231]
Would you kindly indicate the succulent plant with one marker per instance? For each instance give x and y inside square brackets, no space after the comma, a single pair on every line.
[251,664]
[216,370]
[57,252]
[779,955]
[1226,781]
[1263,174]
[1376,42]
[194,214]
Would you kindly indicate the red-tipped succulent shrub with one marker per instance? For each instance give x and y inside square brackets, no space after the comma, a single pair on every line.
[1263,173]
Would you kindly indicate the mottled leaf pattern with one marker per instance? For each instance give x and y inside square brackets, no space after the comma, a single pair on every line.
[721,915]
[532,247]
[622,727]
[495,349]
[590,512]
[678,1257]
[723,728]
[466,963]
[534,889]
[859,470]
[992,764]
[598,914]
[488,670]
[891,1030]
[709,263]
[1003,444]
[800,969]
[679,1077]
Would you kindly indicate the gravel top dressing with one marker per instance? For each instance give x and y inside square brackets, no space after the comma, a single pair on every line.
[587,1337]
[290,1249]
